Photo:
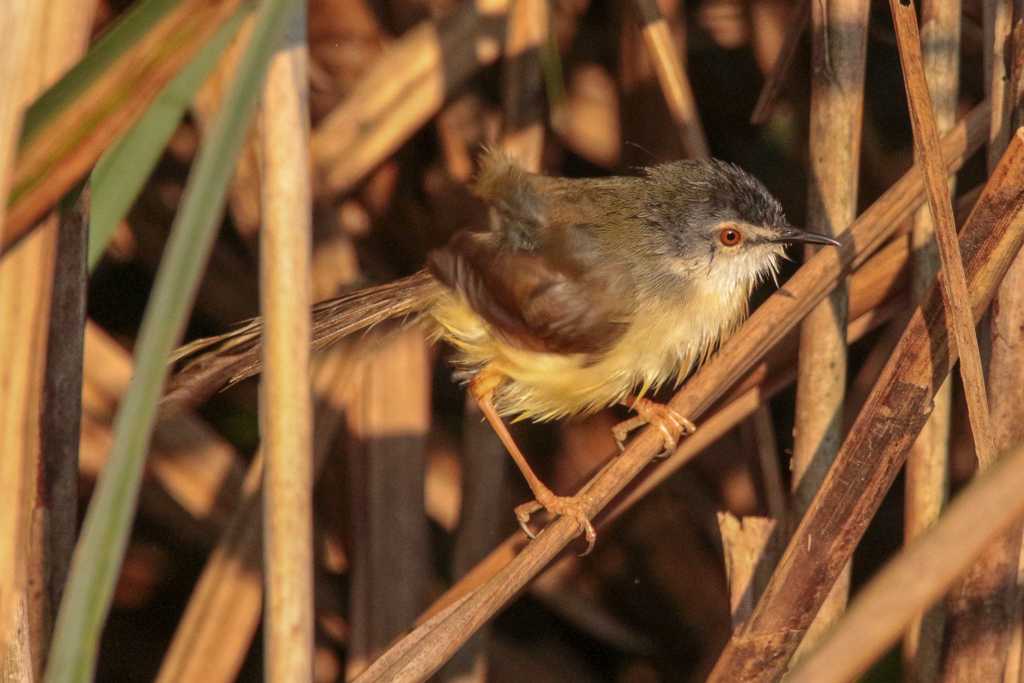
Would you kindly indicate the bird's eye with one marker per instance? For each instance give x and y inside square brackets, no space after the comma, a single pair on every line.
[730,237]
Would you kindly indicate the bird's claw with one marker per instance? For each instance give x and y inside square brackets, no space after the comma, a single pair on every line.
[667,419]
[559,506]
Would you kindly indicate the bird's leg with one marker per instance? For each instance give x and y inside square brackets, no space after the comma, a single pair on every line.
[482,388]
[664,417]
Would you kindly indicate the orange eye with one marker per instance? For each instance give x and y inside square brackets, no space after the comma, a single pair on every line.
[730,237]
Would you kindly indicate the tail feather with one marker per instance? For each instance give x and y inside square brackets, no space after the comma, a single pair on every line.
[218,362]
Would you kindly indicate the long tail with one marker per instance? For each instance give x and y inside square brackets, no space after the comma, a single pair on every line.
[218,362]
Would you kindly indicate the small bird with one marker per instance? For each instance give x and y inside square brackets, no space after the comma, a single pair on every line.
[584,293]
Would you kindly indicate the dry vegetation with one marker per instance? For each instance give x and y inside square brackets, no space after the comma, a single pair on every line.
[350,517]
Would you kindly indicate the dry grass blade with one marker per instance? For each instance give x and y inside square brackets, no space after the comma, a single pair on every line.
[878,442]
[674,83]
[928,461]
[286,405]
[52,160]
[919,575]
[954,282]
[769,324]
[776,79]
[839,50]
[403,89]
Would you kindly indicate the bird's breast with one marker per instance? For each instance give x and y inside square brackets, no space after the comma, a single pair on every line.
[664,341]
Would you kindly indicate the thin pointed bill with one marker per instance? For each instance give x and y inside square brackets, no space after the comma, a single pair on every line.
[789,235]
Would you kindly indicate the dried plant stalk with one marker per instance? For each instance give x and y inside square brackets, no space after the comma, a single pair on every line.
[14,55]
[403,89]
[390,567]
[772,87]
[25,523]
[927,464]
[983,606]
[878,442]
[674,83]
[746,544]
[286,417]
[954,283]
[222,614]
[769,324]
[839,41]
[920,574]
[997,19]
[523,134]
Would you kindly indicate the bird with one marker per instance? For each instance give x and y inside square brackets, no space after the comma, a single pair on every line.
[581,294]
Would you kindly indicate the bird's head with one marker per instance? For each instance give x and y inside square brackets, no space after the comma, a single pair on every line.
[716,221]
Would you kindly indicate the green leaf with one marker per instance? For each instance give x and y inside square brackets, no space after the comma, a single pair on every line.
[128,30]
[105,531]
[122,171]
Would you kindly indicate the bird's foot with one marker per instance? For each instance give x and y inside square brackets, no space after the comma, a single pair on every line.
[564,506]
[672,425]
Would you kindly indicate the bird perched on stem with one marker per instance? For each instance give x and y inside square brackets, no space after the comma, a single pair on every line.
[584,293]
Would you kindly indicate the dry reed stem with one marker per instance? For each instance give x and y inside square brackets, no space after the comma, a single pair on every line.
[997,19]
[954,283]
[675,85]
[217,627]
[522,86]
[55,512]
[920,574]
[839,47]
[772,87]
[768,324]
[983,606]
[389,557]
[745,542]
[927,463]
[244,190]
[761,427]
[14,55]
[403,89]
[286,405]
[220,620]
[48,166]
[27,276]
[878,442]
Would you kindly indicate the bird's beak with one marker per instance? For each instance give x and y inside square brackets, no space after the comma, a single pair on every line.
[791,234]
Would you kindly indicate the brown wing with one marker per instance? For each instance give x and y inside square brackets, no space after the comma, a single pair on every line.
[563,298]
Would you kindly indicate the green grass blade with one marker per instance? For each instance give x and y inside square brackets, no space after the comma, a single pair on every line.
[100,550]
[131,27]
[123,170]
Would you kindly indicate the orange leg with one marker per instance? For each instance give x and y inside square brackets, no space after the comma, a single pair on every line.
[482,387]
[672,424]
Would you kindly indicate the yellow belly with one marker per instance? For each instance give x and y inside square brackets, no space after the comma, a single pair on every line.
[661,344]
